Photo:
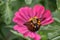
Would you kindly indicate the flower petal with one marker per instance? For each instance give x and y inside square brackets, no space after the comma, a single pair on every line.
[20,28]
[45,20]
[25,12]
[48,22]
[38,10]
[18,19]
[29,34]
[48,18]
[32,35]
[47,14]
[37,37]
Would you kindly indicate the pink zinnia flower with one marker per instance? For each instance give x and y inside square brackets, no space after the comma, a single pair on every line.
[29,20]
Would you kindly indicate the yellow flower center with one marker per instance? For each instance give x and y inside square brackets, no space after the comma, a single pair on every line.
[35,20]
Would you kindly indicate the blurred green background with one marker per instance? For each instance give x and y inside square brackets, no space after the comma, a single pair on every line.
[9,7]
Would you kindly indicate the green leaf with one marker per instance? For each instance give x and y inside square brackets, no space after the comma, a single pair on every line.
[54,35]
[56,15]
[9,26]
[1,2]
[15,5]
[18,34]
[49,4]
[56,38]
[1,11]
[7,13]
[43,34]
[34,2]
[58,4]
[28,2]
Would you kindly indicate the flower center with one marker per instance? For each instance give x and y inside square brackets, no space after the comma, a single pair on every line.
[33,24]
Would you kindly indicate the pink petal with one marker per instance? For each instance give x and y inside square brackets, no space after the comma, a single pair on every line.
[47,14]
[17,14]
[25,12]
[18,19]
[20,28]
[32,35]
[48,22]
[29,34]
[38,10]
[37,37]
[16,27]
[29,12]
[48,18]
[45,20]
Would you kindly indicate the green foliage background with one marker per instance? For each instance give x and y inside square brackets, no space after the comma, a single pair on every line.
[9,7]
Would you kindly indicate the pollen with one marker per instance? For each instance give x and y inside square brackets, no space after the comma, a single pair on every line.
[32,18]
[38,22]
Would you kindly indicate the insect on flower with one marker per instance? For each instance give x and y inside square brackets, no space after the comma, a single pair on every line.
[33,24]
